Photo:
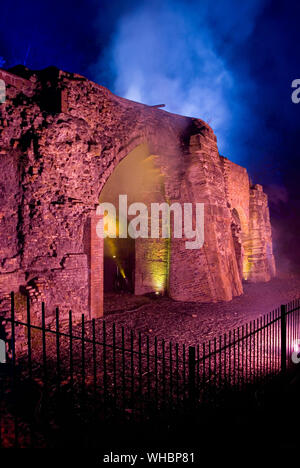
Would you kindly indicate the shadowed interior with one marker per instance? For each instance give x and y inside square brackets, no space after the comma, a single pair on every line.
[129,264]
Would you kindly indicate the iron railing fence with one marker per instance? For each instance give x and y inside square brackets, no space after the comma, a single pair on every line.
[95,370]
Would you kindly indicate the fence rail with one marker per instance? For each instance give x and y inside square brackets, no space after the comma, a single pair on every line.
[99,369]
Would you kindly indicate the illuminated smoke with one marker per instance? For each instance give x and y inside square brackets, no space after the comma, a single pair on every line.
[178,53]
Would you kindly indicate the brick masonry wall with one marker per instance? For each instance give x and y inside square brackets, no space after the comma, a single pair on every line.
[26,86]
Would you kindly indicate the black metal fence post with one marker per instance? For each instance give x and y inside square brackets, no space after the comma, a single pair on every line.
[283,338]
[13,338]
[71,363]
[82,355]
[192,368]
[29,337]
[57,350]
[13,353]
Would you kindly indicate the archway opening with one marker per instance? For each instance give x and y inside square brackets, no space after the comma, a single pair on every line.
[134,266]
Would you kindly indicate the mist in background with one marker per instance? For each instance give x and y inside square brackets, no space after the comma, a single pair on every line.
[179,54]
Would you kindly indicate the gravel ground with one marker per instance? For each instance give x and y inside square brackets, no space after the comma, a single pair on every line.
[193,323]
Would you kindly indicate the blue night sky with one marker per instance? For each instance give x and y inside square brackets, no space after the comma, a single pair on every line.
[229,62]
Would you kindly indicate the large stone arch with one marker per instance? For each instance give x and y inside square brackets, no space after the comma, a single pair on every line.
[207,274]
[151,258]
[59,153]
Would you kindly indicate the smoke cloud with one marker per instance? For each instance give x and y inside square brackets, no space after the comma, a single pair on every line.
[181,54]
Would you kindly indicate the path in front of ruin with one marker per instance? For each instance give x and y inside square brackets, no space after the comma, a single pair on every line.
[193,323]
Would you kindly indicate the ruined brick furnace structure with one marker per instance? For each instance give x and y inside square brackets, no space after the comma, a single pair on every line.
[62,137]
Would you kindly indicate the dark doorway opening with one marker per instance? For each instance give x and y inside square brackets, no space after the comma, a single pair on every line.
[119,265]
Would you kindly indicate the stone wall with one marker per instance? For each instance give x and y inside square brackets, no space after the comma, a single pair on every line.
[61,137]
[25,86]
[261,264]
